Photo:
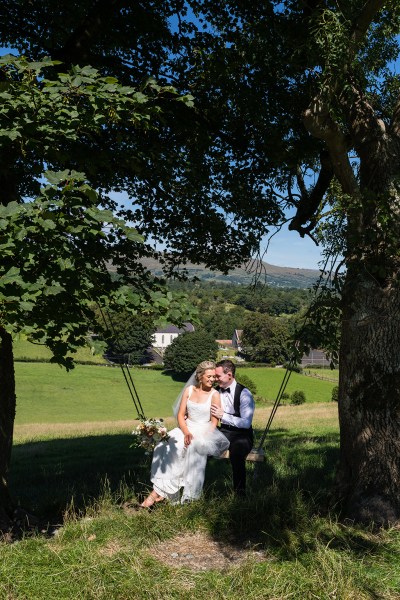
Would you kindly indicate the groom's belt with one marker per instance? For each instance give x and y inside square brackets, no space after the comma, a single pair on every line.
[233,428]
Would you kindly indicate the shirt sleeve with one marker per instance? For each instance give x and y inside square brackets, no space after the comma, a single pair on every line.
[246,412]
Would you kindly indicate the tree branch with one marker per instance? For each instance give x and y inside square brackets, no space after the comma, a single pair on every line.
[395,124]
[363,21]
[310,201]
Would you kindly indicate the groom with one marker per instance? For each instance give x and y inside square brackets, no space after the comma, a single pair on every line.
[236,415]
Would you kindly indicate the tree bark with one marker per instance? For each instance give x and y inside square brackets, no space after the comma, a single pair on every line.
[368,477]
[7,416]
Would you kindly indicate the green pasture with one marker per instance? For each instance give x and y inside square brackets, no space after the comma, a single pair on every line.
[268,382]
[47,393]
[24,350]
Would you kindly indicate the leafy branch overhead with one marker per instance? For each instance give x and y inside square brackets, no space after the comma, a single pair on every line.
[55,246]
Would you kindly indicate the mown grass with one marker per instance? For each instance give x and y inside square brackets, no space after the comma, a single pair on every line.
[79,479]
[268,382]
[24,350]
[48,394]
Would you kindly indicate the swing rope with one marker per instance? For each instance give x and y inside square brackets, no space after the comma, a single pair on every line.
[292,362]
[125,369]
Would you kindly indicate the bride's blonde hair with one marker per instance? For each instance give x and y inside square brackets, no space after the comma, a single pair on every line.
[203,367]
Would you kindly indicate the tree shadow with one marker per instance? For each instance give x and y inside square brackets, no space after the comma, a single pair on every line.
[180,377]
[47,477]
[288,505]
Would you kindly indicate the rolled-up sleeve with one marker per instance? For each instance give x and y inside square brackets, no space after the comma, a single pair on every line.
[246,412]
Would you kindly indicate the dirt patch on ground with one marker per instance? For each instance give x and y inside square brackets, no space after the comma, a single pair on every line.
[199,552]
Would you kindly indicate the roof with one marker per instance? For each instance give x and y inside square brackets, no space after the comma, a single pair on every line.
[175,329]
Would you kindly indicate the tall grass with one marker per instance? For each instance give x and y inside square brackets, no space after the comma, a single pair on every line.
[293,543]
[73,467]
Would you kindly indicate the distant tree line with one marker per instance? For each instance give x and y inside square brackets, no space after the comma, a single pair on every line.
[268,317]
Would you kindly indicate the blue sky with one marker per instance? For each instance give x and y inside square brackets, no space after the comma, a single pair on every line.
[288,249]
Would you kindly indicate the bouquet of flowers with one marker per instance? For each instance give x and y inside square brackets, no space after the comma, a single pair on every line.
[148,433]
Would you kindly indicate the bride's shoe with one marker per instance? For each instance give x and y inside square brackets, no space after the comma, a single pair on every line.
[152,499]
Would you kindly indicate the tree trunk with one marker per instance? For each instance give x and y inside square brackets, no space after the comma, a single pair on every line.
[7,415]
[368,477]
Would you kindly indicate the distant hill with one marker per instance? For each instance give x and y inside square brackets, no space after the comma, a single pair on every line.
[269,274]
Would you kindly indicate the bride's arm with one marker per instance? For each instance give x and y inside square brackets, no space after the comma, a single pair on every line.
[181,418]
[216,401]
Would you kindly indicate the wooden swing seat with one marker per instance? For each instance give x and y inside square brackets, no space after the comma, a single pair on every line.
[256,455]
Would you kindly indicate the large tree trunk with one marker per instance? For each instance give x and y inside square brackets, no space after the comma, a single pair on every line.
[369,387]
[7,415]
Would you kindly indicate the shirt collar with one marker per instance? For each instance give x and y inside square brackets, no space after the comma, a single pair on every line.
[232,387]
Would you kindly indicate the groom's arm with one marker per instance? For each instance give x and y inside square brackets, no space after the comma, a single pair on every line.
[246,412]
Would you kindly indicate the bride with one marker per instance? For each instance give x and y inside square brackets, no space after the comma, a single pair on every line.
[181,461]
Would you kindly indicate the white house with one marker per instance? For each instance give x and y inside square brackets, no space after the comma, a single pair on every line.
[315,357]
[165,335]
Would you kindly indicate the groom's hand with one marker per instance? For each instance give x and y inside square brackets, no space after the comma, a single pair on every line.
[217,411]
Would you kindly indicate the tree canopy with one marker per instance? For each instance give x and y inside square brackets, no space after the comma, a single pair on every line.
[188,350]
[296,105]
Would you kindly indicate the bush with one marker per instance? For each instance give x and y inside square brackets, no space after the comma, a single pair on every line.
[296,368]
[261,400]
[129,337]
[298,397]
[335,394]
[285,396]
[188,350]
[247,382]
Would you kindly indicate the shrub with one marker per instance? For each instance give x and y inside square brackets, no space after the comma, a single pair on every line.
[247,382]
[260,400]
[298,397]
[188,350]
[296,368]
[284,396]
[335,394]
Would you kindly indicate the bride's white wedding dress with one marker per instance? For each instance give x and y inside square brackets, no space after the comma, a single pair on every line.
[175,466]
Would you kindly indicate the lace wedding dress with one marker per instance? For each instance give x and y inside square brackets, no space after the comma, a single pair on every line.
[175,466]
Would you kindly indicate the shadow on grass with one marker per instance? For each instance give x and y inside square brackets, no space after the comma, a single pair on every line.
[181,377]
[288,494]
[47,476]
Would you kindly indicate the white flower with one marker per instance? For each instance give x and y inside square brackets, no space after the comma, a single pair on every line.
[149,432]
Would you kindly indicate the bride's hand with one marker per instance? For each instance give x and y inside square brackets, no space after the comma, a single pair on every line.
[188,439]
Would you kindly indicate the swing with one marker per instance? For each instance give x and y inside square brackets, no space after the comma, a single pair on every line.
[126,372]
[257,453]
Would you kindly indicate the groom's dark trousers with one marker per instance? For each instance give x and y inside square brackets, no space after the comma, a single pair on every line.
[241,443]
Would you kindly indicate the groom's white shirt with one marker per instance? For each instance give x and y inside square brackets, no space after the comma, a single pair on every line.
[246,407]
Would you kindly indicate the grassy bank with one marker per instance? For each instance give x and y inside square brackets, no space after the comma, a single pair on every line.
[285,541]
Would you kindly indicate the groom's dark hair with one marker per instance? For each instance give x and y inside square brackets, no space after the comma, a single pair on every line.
[227,365]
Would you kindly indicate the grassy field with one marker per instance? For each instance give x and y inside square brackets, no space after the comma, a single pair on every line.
[328,374]
[284,542]
[48,394]
[24,350]
[73,468]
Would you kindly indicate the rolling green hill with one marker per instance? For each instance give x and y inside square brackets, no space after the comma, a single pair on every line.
[244,275]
